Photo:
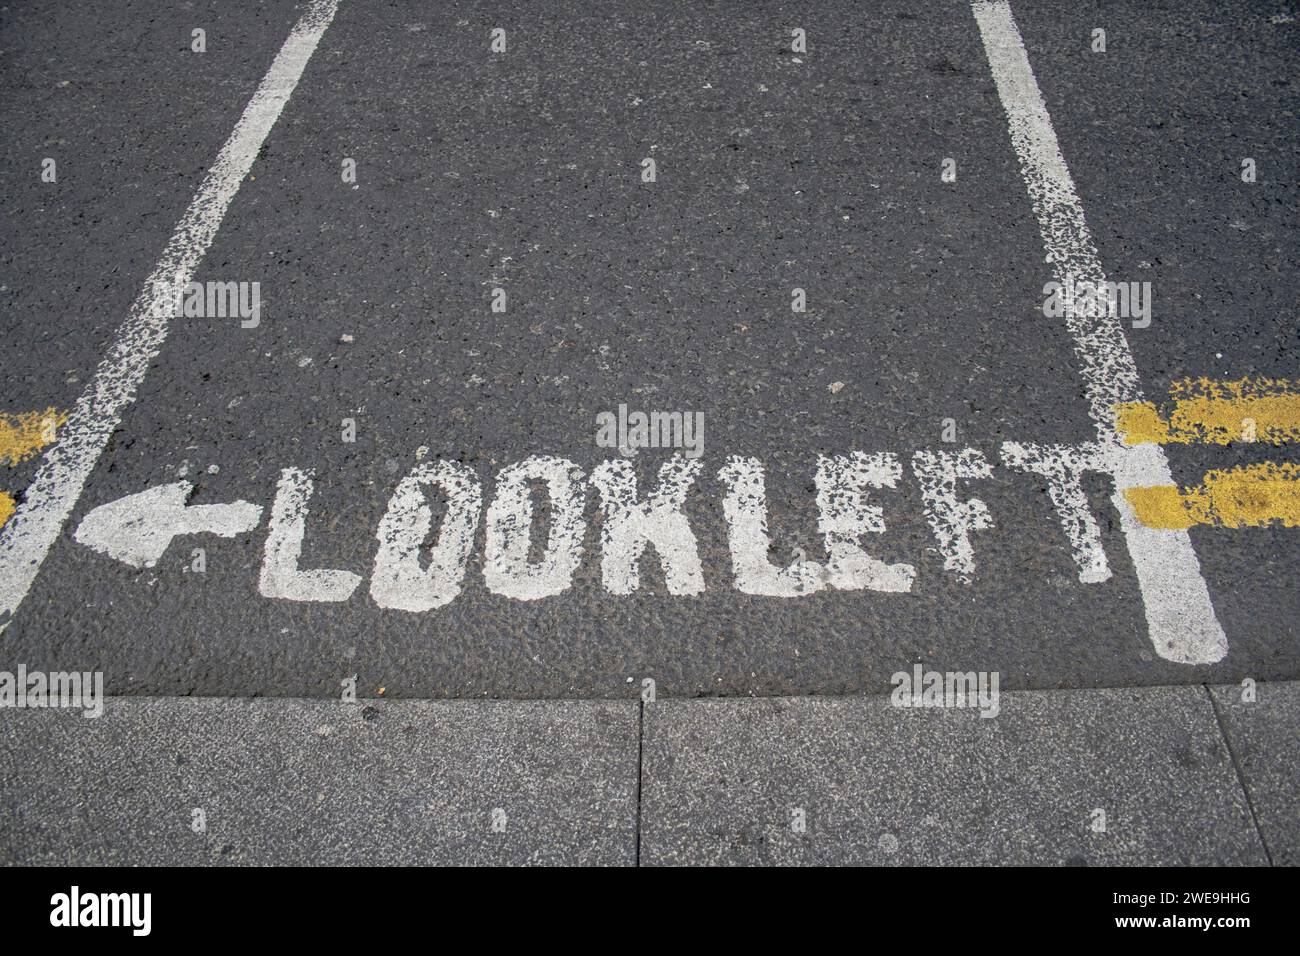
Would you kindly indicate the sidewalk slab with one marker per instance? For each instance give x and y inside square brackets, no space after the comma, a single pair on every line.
[292,781]
[723,781]
[1265,737]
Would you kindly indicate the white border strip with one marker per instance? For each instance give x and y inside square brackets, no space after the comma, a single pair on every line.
[1180,618]
[37,522]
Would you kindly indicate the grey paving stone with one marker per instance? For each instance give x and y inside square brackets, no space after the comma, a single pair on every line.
[1265,736]
[311,781]
[885,785]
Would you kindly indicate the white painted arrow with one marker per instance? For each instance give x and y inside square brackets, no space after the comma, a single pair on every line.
[137,529]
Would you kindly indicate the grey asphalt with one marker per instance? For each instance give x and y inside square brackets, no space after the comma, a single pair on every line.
[522,169]
[671,782]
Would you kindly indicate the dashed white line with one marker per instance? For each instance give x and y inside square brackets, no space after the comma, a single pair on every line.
[37,522]
[1180,618]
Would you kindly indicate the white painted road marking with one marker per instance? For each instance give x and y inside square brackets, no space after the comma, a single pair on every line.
[844,516]
[951,519]
[1180,618]
[1063,466]
[281,577]
[27,537]
[506,568]
[399,581]
[138,528]
[630,524]
[745,508]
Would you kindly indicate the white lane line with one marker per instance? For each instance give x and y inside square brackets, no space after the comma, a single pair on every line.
[27,537]
[1180,618]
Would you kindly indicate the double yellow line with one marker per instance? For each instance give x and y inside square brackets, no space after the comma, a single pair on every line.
[1201,411]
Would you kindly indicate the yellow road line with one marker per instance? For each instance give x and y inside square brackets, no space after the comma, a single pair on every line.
[22,436]
[1216,413]
[1252,496]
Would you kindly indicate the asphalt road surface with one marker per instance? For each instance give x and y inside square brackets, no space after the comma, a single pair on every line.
[464,266]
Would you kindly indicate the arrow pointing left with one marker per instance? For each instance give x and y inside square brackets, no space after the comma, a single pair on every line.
[138,528]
